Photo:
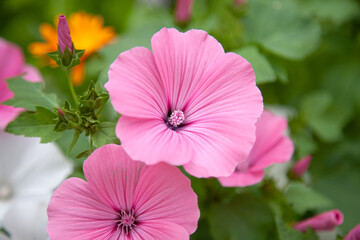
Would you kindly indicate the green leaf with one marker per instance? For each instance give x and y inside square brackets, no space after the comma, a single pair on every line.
[324,116]
[83,154]
[303,198]
[105,134]
[263,70]
[28,95]
[244,217]
[36,124]
[279,27]
[329,10]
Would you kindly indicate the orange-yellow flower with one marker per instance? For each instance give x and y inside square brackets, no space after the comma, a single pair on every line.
[87,33]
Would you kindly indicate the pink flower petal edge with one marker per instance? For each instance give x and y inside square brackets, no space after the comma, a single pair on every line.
[123,199]
[354,234]
[213,94]
[324,221]
[12,65]
[271,146]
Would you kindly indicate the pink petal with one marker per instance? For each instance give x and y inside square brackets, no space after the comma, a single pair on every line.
[75,212]
[354,234]
[325,221]
[158,142]
[242,179]
[135,87]
[113,176]
[183,60]
[301,166]
[11,60]
[164,193]
[8,114]
[160,230]
[271,145]
[32,74]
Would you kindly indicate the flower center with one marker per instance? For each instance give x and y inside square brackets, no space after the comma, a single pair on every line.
[176,118]
[126,221]
[242,167]
[5,191]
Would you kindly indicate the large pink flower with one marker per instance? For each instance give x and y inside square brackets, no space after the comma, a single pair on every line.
[187,103]
[12,65]
[123,199]
[271,147]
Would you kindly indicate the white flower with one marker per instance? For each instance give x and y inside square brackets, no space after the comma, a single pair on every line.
[29,172]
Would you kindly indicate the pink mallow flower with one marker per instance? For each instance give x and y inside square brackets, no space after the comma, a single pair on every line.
[271,147]
[187,103]
[354,234]
[123,199]
[63,34]
[301,166]
[12,65]
[323,222]
[183,10]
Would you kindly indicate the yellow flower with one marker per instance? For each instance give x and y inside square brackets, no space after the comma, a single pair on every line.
[87,33]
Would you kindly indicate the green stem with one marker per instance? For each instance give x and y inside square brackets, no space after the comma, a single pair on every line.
[91,143]
[72,87]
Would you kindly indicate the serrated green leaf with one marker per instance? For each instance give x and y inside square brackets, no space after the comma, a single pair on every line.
[303,198]
[105,134]
[263,70]
[36,124]
[28,95]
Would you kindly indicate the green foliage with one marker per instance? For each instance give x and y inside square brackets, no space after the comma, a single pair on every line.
[40,123]
[28,95]
[303,198]
[105,134]
[280,28]
[244,217]
[263,70]
[323,115]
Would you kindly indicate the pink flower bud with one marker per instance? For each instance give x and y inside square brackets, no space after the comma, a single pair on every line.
[239,2]
[183,10]
[63,33]
[60,112]
[354,234]
[324,221]
[301,166]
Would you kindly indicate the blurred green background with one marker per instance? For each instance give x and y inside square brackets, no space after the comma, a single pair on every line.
[306,57]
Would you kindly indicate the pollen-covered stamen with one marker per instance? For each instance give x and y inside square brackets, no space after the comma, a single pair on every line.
[176,118]
[126,221]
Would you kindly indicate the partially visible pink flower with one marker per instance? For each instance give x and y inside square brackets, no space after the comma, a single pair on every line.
[354,234]
[123,199]
[301,166]
[63,34]
[187,103]
[324,221]
[11,65]
[183,10]
[271,146]
[239,2]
